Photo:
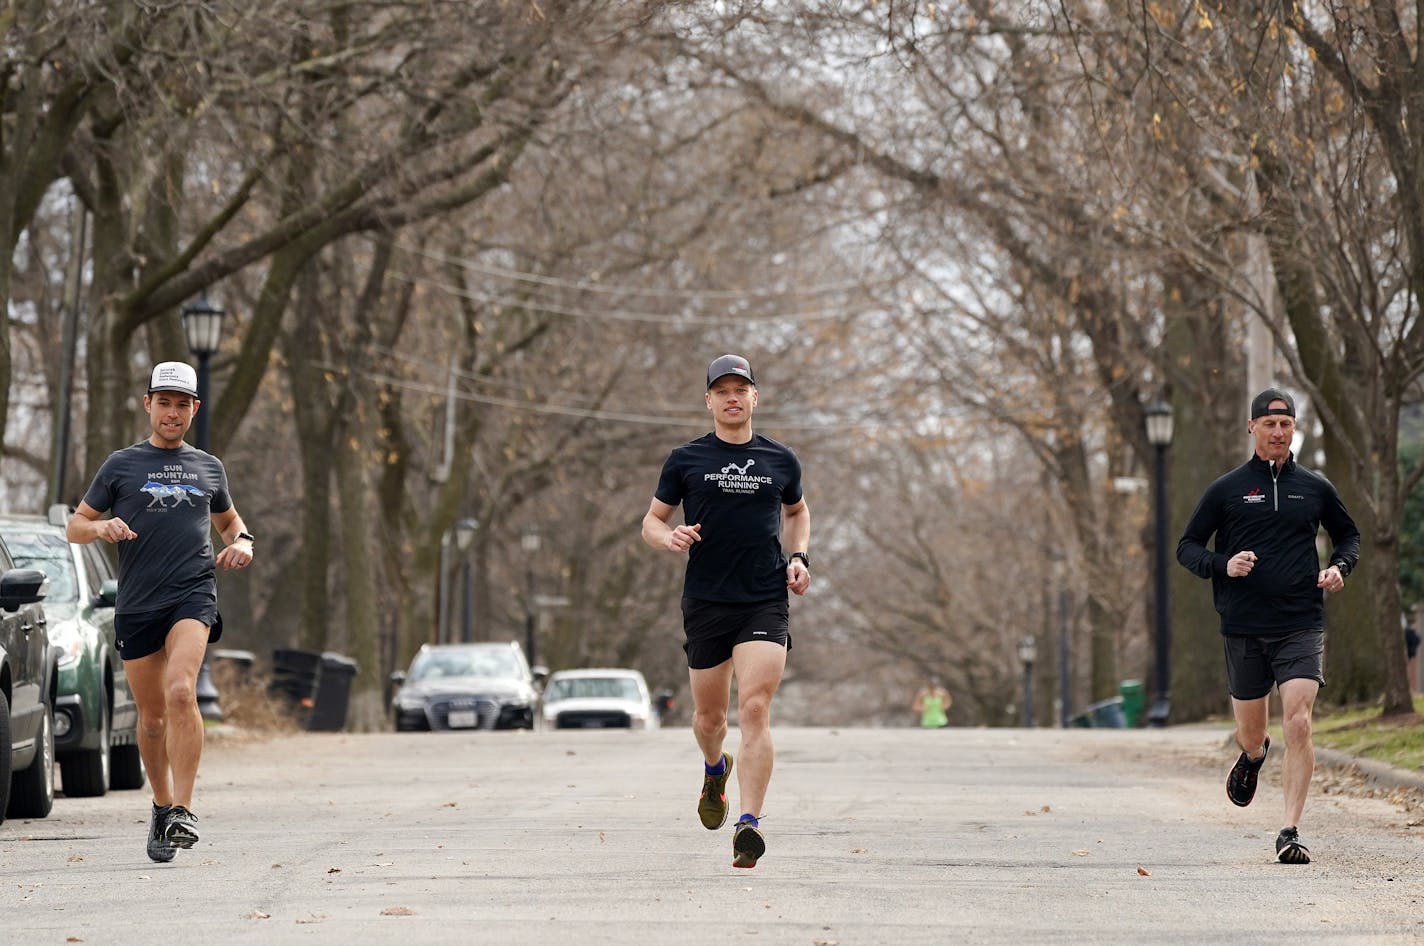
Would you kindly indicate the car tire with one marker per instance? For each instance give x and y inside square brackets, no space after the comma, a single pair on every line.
[32,791]
[6,751]
[126,768]
[86,774]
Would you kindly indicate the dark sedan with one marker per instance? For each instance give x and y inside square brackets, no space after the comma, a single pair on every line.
[466,686]
[95,717]
[28,675]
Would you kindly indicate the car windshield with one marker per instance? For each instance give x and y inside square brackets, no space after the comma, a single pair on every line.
[572,688]
[465,663]
[50,554]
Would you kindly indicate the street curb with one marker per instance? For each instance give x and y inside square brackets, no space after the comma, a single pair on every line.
[1380,773]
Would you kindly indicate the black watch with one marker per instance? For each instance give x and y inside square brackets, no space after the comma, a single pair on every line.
[248,536]
[1342,568]
[804,559]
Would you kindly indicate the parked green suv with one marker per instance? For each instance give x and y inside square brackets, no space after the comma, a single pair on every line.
[95,718]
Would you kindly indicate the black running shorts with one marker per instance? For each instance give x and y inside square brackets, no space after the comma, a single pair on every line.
[1255,664]
[143,632]
[713,628]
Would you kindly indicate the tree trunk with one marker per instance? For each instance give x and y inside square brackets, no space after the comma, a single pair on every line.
[312,416]
[1209,438]
[356,536]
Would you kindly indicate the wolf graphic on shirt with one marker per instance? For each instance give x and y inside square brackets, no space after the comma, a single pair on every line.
[159,493]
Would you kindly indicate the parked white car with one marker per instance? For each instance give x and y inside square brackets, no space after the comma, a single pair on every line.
[598,698]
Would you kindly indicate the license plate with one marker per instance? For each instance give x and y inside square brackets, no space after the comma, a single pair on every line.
[463,719]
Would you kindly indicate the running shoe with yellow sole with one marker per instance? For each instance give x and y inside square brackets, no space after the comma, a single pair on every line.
[712,803]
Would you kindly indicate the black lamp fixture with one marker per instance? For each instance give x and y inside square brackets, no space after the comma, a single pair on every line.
[1158,417]
[202,325]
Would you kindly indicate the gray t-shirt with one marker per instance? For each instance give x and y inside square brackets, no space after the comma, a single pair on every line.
[167,497]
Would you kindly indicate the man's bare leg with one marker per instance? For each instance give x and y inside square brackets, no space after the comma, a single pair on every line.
[711,693]
[759,666]
[186,645]
[1252,717]
[1297,705]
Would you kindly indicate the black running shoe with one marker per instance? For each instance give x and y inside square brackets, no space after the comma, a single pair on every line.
[1290,849]
[182,829]
[1241,781]
[158,847]
[712,803]
[747,844]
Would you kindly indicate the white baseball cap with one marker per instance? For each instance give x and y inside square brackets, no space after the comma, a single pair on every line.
[174,376]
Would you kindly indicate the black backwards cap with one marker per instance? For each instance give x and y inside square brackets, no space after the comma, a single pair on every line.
[1261,403]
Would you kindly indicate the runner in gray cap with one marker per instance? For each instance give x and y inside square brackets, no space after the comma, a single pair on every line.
[738,490]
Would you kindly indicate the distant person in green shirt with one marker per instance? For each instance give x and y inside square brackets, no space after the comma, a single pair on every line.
[932,703]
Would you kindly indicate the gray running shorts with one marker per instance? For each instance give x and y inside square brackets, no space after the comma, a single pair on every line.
[1255,664]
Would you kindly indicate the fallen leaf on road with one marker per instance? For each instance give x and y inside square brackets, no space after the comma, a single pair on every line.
[825,942]
[313,918]
[450,804]
[397,911]
[1144,872]
[333,870]
[73,939]
[1082,853]
[1045,809]
[600,837]
[857,850]
[384,864]
[76,858]
[259,915]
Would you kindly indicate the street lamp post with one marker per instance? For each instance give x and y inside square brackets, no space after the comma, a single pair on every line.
[1159,434]
[457,538]
[464,538]
[202,325]
[530,541]
[1060,578]
[1028,652]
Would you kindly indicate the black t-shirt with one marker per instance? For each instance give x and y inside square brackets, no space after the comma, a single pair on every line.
[1276,512]
[167,497]
[735,491]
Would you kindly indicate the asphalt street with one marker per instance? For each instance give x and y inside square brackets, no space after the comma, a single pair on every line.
[875,836]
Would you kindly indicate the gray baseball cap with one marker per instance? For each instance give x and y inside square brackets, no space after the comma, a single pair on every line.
[729,364]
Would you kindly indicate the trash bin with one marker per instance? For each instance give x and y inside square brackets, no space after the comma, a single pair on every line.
[1104,714]
[209,705]
[232,666]
[1134,698]
[294,679]
[333,693]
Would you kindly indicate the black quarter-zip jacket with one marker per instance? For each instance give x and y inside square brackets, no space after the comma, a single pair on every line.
[1276,512]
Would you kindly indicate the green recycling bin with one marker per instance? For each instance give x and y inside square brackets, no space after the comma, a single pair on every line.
[1134,700]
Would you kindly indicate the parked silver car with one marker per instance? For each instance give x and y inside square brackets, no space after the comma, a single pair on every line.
[466,686]
[598,698]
